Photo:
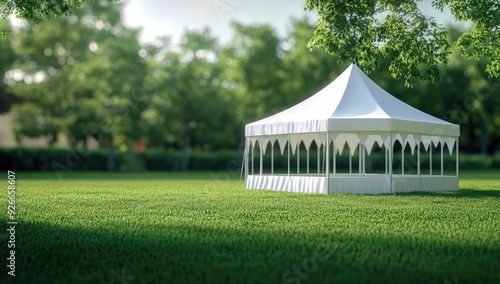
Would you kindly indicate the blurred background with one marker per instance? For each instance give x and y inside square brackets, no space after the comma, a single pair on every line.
[169,85]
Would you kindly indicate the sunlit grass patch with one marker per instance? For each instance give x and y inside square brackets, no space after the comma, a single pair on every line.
[185,228]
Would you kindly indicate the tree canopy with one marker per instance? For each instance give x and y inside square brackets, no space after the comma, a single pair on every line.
[37,10]
[366,31]
[88,79]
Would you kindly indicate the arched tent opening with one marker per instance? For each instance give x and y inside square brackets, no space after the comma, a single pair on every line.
[435,158]
[397,164]
[267,157]
[351,137]
[424,158]
[279,156]
[315,158]
[410,166]
[343,159]
[376,156]
[449,157]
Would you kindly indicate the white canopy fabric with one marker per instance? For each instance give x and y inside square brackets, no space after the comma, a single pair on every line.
[352,114]
[351,103]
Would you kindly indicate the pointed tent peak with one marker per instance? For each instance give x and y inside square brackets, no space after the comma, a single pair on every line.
[351,102]
[350,71]
[353,66]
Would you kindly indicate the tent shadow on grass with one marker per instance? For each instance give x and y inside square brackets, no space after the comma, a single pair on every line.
[462,193]
[194,254]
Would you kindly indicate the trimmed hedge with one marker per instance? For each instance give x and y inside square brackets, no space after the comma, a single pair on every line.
[48,159]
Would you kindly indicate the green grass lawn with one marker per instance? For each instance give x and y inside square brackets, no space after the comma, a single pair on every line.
[191,228]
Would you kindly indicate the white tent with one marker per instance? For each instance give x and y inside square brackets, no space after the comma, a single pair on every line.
[352,111]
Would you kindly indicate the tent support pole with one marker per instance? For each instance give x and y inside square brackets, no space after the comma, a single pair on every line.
[253,148]
[272,158]
[364,160]
[360,158]
[327,162]
[418,162]
[456,160]
[386,162]
[260,159]
[442,162]
[334,158]
[390,162]
[298,158]
[403,160]
[319,158]
[418,155]
[430,159]
[246,158]
[323,163]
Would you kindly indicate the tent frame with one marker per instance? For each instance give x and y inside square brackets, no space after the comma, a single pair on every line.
[352,110]
[330,181]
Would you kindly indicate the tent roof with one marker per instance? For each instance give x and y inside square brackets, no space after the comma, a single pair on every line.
[352,103]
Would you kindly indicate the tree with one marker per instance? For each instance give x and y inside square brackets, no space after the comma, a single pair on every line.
[48,54]
[36,10]
[192,112]
[465,96]
[306,71]
[68,53]
[254,70]
[6,59]
[367,30]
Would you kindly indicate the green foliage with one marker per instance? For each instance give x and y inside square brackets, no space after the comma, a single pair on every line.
[41,159]
[6,59]
[483,41]
[37,10]
[256,68]
[50,159]
[67,53]
[88,76]
[190,228]
[366,31]
[192,108]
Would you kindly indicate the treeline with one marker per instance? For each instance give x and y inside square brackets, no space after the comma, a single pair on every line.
[89,76]
[223,162]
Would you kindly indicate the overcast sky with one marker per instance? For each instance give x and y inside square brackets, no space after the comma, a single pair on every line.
[173,17]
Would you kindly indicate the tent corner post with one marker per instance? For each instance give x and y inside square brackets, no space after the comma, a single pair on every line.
[245,159]
[334,157]
[327,161]
[442,158]
[418,163]
[457,164]
[360,159]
